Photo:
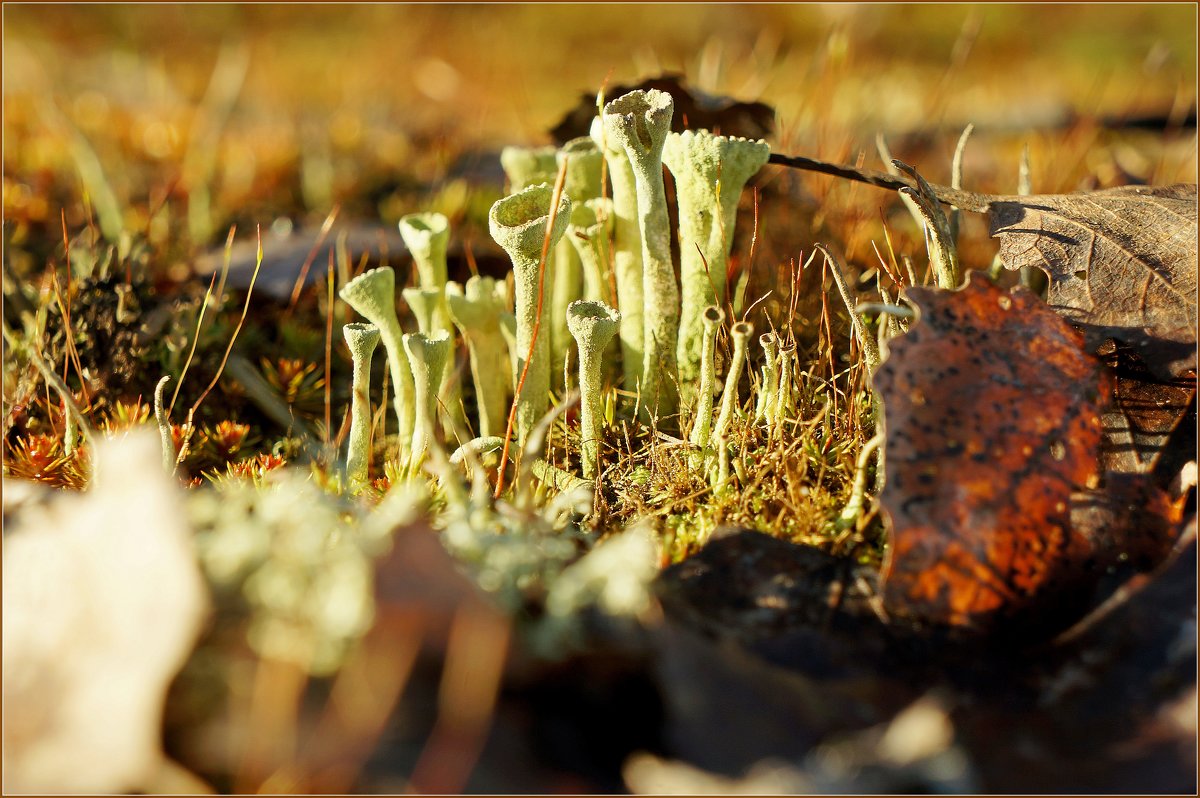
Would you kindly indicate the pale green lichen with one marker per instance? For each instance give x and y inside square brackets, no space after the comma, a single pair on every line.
[593,325]
[764,408]
[425,304]
[361,339]
[477,310]
[583,165]
[519,225]
[591,225]
[627,254]
[427,235]
[528,166]
[373,295]
[427,356]
[739,336]
[713,318]
[710,173]
[639,121]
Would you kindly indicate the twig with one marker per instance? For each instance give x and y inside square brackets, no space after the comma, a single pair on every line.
[964,200]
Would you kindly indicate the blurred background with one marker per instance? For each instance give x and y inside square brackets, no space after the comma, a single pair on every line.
[257,110]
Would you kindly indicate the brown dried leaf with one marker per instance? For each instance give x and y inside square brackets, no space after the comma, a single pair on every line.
[1150,426]
[993,420]
[1121,262]
[693,110]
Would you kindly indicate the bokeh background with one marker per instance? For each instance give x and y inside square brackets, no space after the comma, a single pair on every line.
[272,109]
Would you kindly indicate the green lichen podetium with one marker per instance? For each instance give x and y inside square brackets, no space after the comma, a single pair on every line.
[361,339]
[593,325]
[639,121]
[712,318]
[584,171]
[427,355]
[710,173]
[373,295]
[627,254]
[518,224]
[591,224]
[528,166]
[476,309]
[427,236]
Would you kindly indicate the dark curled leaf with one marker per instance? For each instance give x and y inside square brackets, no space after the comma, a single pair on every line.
[693,110]
[993,420]
[1122,263]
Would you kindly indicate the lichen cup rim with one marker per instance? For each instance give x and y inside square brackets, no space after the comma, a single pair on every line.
[519,217]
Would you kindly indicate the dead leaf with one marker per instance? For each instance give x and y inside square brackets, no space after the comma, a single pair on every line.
[693,109]
[1121,262]
[993,420]
[103,601]
[1150,425]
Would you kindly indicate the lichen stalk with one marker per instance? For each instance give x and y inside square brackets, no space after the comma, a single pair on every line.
[518,224]
[373,296]
[739,336]
[589,231]
[166,439]
[425,304]
[361,339]
[639,121]
[764,408]
[593,325]
[476,310]
[427,356]
[713,318]
[710,173]
[626,254]
[783,391]
[583,164]
[427,236]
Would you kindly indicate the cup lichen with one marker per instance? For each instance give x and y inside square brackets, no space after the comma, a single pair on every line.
[361,339]
[518,223]
[427,355]
[639,121]
[593,325]
[476,310]
[373,295]
[710,172]
[713,318]
[626,255]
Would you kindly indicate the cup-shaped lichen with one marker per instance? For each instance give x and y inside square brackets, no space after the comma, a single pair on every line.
[627,253]
[764,409]
[639,121]
[476,310]
[740,336]
[783,391]
[528,166]
[583,164]
[361,340]
[425,304]
[713,318]
[710,173]
[427,235]
[593,325]
[373,295]
[428,305]
[427,355]
[591,223]
[519,225]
